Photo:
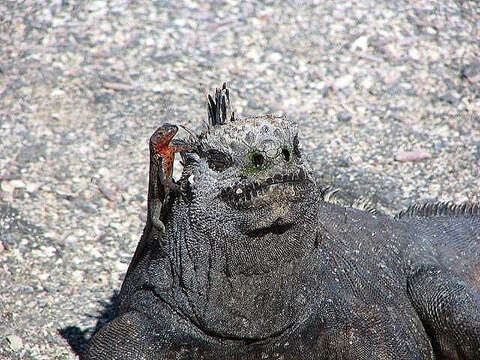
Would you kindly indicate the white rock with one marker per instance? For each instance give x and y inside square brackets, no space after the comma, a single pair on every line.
[7,187]
[367,83]
[32,187]
[44,276]
[17,183]
[414,53]
[57,92]
[344,81]
[274,57]
[361,43]
[15,342]
[77,275]
[121,267]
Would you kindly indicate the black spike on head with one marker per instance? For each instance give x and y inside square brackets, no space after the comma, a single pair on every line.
[218,108]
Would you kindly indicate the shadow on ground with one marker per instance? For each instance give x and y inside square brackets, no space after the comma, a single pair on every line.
[78,338]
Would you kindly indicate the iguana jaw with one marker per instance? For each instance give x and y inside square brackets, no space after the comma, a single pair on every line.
[256,194]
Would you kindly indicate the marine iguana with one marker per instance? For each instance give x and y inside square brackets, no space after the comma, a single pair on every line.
[256,264]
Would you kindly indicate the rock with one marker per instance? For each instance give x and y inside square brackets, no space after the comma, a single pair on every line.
[472,72]
[361,43]
[31,153]
[367,83]
[344,81]
[451,97]
[19,184]
[414,54]
[274,57]
[15,342]
[85,206]
[344,116]
[7,187]
[109,190]
[416,155]
[117,86]
[32,187]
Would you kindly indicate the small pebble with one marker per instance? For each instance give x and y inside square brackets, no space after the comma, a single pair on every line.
[117,86]
[472,72]
[344,116]
[405,156]
[360,43]
[108,191]
[344,81]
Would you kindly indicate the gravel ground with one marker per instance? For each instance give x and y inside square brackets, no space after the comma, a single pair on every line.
[374,85]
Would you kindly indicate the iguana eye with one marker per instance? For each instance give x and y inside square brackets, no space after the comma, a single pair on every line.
[286,154]
[218,160]
[257,160]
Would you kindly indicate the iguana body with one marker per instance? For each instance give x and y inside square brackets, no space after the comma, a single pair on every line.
[257,265]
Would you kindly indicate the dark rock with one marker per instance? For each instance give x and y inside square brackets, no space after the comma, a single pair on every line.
[451,97]
[103,98]
[10,240]
[471,72]
[84,206]
[344,116]
[342,162]
[326,90]
[31,153]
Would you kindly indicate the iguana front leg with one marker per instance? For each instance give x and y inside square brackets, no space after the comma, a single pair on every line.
[449,310]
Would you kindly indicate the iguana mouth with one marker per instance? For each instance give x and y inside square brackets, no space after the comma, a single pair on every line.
[276,228]
[292,185]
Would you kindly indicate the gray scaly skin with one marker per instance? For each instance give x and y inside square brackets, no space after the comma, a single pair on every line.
[258,265]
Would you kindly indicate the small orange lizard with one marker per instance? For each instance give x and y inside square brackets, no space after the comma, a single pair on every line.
[162,156]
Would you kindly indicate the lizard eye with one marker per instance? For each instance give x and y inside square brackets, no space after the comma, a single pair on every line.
[218,160]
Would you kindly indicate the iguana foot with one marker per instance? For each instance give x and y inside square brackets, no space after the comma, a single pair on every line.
[449,310]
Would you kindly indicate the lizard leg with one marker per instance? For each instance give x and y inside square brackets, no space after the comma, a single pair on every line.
[167,182]
[449,310]
[156,209]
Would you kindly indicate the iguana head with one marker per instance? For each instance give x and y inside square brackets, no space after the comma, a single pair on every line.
[251,170]
[250,205]
[248,172]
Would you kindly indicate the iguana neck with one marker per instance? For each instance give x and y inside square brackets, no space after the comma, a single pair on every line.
[239,287]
